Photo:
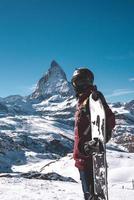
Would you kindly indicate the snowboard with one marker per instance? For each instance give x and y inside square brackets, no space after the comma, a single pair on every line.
[98,132]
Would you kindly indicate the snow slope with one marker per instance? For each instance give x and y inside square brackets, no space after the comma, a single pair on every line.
[121,167]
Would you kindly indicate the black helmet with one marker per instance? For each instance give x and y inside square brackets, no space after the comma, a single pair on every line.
[82,79]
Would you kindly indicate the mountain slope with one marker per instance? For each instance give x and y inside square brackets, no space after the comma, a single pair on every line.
[124,131]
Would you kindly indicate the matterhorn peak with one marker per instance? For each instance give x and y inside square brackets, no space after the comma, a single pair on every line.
[56,70]
[54,64]
[54,82]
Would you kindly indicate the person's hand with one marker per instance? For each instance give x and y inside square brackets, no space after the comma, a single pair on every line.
[91,146]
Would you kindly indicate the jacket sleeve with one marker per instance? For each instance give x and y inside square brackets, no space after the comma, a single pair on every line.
[110,117]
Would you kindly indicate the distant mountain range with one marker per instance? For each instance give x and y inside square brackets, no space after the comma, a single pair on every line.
[43,122]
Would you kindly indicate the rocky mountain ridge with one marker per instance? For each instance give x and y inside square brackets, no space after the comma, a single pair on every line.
[40,126]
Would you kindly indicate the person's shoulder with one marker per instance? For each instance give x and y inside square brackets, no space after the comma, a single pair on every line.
[101,96]
[100,93]
[97,93]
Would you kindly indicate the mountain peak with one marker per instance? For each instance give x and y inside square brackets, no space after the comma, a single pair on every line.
[56,70]
[54,82]
[54,64]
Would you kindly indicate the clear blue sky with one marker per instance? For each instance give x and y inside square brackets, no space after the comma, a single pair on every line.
[94,33]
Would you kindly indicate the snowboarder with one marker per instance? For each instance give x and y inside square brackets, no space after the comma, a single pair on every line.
[82,82]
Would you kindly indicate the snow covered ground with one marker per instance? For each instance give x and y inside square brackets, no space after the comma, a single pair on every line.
[120,175]
[18,189]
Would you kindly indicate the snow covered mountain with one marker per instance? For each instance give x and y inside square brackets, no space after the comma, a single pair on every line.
[124,131]
[36,132]
[43,122]
[54,82]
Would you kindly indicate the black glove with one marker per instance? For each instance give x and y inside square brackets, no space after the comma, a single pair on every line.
[91,146]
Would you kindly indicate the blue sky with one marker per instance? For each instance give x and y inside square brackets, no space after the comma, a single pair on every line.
[93,33]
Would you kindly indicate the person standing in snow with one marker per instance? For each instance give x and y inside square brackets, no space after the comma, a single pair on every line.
[82,82]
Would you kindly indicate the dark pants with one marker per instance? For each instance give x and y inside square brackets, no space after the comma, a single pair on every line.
[86,177]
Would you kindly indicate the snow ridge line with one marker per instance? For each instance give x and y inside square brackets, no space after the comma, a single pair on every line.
[48,164]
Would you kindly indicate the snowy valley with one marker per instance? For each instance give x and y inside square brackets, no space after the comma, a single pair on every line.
[36,142]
